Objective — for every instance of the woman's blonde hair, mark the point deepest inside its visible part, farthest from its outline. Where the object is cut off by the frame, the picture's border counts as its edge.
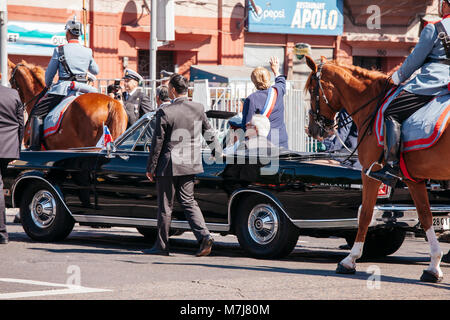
(261, 78)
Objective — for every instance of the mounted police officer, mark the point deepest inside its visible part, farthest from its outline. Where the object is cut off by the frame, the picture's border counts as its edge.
(432, 55)
(72, 61)
(135, 101)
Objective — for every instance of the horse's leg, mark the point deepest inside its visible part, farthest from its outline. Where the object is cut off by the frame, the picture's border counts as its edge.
(420, 196)
(369, 199)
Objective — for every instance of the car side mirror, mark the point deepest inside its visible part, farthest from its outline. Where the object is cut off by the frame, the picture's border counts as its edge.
(110, 149)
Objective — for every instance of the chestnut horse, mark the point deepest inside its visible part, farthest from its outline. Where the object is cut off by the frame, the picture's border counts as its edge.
(333, 87)
(82, 124)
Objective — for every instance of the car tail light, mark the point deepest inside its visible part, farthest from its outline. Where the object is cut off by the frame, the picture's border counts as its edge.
(384, 191)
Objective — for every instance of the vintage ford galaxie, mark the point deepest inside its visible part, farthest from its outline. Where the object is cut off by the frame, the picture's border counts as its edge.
(307, 194)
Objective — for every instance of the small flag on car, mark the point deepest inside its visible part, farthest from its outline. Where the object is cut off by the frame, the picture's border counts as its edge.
(105, 138)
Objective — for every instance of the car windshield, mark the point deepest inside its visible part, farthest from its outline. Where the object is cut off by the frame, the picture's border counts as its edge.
(136, 139)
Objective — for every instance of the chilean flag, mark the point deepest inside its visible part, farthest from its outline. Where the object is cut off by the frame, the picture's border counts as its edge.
(105, 138)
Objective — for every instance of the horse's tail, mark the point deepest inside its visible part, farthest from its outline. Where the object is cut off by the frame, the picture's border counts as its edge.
(117, 118)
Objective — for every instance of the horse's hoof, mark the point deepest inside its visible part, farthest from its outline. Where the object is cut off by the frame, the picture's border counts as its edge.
(428, 276)
(344, 270)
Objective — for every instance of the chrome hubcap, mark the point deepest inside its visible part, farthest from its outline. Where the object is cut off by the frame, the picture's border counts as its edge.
(263, 224)
(43, 209)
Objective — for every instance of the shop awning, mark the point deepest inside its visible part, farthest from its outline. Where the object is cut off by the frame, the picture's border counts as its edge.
(220, 74)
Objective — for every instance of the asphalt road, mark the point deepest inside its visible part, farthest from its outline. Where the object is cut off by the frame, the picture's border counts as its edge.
(108, 264)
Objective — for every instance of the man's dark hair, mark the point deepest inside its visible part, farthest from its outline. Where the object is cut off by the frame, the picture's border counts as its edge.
(162, 92)
(180, 83)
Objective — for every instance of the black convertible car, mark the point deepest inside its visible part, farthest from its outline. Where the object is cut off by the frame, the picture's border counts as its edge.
(307, 194)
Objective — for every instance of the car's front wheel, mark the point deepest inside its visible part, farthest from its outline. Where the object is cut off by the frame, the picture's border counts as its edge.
(43, 216)
(263, 230)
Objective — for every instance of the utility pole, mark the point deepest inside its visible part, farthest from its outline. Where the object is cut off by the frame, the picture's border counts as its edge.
(153, 46)
(3, 42)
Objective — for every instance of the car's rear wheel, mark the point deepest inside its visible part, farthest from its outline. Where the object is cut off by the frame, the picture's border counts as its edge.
(263, 230)
(42, 214)
(381, 242)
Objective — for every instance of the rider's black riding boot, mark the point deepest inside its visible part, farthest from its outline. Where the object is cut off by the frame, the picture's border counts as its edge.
(389, 174)
(37, 124)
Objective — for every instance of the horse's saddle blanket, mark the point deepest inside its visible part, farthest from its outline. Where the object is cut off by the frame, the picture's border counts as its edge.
(423, 128)
(53, 120)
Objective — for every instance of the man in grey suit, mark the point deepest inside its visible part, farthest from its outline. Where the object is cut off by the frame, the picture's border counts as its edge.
(11, 133)
(175, 158)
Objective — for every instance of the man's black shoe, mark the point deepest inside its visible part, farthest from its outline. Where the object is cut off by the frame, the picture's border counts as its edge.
(446, 257)
(205, 247)
(156, 251)
(3, 241)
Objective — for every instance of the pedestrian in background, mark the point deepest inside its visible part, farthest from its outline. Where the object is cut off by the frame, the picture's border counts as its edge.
(162, 99)
(162, 96)
(135, 101)
(175, 162)
(11, 134)
(346, 137)
(165, 77)
(268, 101)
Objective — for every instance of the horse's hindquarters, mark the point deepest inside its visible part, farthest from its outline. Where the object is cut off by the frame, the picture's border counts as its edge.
(432, 163)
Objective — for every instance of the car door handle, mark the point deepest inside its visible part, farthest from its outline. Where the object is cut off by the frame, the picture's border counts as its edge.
(124, 157)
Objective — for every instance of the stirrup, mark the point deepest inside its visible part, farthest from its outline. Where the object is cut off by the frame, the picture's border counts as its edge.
(368, 171)
(386, 177)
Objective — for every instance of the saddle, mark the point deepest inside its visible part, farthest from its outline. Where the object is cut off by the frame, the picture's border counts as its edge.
(422, 129)
(53, 120)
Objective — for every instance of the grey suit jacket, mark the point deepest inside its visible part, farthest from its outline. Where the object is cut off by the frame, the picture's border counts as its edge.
(176, 148)
(11, 123)
(136, 106)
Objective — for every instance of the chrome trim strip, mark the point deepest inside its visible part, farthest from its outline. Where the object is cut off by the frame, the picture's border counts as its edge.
(326, 223)
(409, 208)
(40, 178)
(137, 222)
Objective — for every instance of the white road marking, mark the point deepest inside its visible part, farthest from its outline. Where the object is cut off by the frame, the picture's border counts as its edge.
(67, 289)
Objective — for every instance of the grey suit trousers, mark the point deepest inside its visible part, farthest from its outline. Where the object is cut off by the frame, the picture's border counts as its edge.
(181, 187)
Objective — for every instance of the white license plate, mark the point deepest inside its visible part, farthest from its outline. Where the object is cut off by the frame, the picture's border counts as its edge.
(441, 223)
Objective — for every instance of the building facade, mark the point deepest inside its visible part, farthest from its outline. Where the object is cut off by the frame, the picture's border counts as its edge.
(369, 33)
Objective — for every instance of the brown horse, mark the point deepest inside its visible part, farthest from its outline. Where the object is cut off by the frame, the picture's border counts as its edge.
(333, 87)
(82, 124)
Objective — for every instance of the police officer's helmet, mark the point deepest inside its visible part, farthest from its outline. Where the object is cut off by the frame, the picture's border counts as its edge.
(75, 27)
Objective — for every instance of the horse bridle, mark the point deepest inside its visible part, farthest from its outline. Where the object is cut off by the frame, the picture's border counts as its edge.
(323, 122)
(13, 82)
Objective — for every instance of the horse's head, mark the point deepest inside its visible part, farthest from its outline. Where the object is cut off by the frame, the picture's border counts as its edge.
(325, 100)
(28, 80)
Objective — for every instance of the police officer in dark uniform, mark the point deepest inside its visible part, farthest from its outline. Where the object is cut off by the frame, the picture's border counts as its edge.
(135, 101)
(72, 61)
